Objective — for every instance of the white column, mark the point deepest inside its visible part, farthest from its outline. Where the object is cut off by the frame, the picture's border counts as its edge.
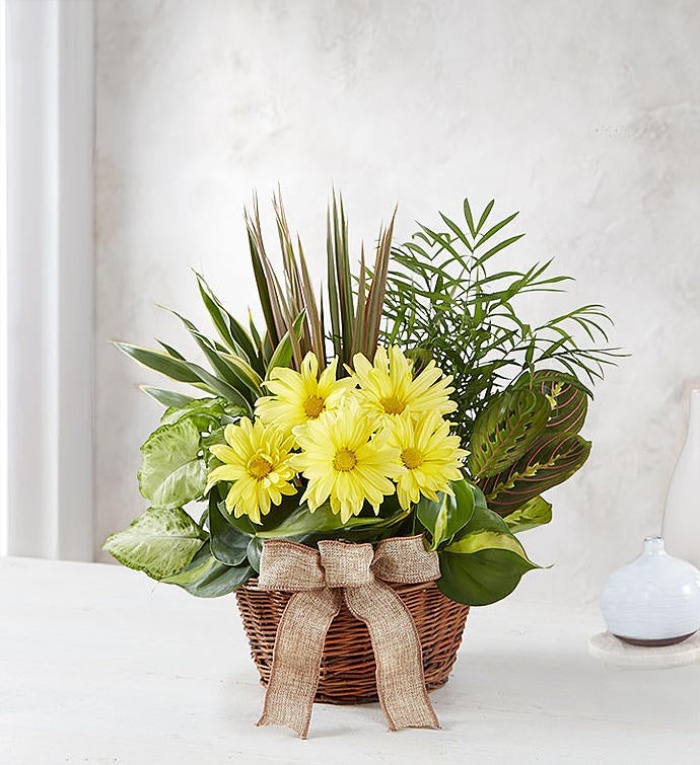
(49, 278)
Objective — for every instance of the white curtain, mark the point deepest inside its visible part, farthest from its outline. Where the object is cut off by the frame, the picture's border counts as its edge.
(48, 306)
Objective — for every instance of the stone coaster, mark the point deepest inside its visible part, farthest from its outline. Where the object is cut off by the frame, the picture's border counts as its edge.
(610, 649)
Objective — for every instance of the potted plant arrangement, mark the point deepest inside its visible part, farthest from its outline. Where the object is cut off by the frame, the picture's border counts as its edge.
(366, 460)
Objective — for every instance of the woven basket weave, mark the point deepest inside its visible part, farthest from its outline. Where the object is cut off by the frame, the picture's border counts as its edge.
(347, 667)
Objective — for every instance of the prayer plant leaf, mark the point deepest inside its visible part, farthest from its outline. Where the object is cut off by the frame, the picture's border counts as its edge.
(505, 429)
(206, 577)
(444, 518)
(485, 563)
(535, 512)
(550, 460)
(568, 399)
(160, 542)
(172, 473)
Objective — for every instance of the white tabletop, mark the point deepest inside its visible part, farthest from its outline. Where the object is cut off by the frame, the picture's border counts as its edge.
(100, 665)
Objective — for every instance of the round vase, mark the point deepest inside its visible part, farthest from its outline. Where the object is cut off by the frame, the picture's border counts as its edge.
(653, 600)
(681, 528)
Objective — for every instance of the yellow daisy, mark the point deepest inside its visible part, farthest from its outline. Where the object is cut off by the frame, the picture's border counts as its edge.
(388, 387)
(298, 397)
(432, 457)
(257, 461)
(343, 459)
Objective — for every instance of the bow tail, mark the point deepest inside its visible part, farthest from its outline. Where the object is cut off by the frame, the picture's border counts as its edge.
(296, 659)
(397, 653)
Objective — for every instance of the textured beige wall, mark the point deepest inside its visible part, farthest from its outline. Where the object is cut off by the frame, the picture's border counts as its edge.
(583, 115)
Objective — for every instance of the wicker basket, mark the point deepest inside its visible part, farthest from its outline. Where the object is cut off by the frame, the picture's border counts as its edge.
(347, 666)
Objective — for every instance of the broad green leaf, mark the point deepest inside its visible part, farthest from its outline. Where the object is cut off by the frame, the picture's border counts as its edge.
(481, 578)
(485, 562)
(323, 520)
(550, 460)
(167, 398)
(535, 512)
(254, 553)
(444, 518)
(171, 473)
(160, 542)
(228, 544)
(207, 577)
(504, 430)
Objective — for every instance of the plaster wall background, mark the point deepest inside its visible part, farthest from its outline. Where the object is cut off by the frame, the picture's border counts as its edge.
(585, 116)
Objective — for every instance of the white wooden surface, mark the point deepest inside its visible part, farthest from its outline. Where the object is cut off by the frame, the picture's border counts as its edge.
(100, 665)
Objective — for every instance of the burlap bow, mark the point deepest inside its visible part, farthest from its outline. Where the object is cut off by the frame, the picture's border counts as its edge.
(319, 581)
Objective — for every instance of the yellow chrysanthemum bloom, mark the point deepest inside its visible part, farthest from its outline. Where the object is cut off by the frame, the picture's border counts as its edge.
(298, 397)
(343, 459)
(388, 388)
(257, 460)
(432, 457)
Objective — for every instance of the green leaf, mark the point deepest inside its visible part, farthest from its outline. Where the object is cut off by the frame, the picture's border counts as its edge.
(535, 512)
(483, 577)
(282, 356)
(228, 544)
(171, 473)
(552, 459)
(159, 543)
(567, 396)
(167, 398)
(505, 429)
(230, 330)
(444, 518)
(485, 563)
(174, 368)
(207, 577)
(254, 552)
(302, 521)
(183, 371)
(204, 412)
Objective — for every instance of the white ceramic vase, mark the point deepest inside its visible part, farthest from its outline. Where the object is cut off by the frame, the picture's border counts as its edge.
(681, 527)
(653, 600)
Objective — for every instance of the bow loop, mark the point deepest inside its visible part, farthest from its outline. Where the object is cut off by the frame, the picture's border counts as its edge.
(290, 567)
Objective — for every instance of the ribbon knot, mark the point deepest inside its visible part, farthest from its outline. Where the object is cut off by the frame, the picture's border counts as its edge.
(320, 580)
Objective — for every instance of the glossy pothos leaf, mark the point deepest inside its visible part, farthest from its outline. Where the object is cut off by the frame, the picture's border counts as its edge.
(485, 563)
(444, 518)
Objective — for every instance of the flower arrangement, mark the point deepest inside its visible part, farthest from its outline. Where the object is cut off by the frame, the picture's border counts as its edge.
(426, 406)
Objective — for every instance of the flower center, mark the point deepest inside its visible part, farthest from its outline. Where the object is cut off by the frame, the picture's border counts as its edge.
(313, 406)
(344, 460)
(412, 457)
(393, 404)
(259, 467)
